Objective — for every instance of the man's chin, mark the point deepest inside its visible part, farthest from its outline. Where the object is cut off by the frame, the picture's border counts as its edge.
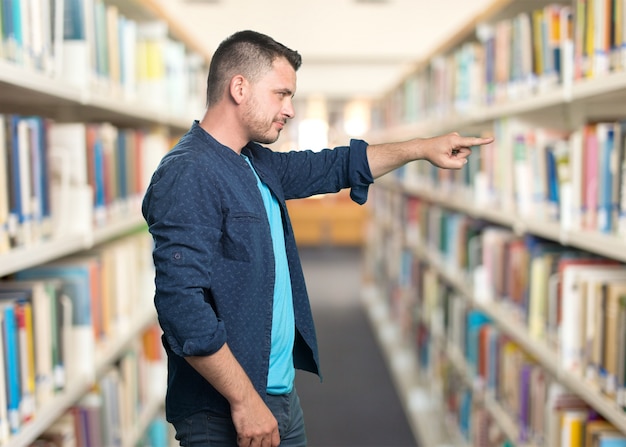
(267, 139)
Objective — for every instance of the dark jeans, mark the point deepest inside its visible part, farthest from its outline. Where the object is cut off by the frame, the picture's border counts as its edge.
(206, 430)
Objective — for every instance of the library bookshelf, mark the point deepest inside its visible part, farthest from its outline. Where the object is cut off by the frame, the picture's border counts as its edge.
(92, 94)
(496, 290)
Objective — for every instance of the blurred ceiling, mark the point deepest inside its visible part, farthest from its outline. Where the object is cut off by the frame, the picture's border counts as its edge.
(350, 48)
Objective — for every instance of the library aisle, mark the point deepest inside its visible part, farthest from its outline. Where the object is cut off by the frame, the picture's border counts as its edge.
(356, 405)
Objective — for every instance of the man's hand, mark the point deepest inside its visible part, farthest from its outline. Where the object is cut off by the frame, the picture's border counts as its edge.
(255, 424)
(450, 151)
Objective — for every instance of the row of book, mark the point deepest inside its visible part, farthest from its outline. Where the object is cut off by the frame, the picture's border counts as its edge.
(111, 413)
(525, 395)
(483, 372)
(95, 46)
(29, 31)
(66, 432)
(576, 179)
(569, 301)
(513, 58)
(58, 316)
(56, 177)
(572, 300)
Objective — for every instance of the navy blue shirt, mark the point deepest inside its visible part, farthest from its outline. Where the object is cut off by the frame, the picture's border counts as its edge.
(214, 259)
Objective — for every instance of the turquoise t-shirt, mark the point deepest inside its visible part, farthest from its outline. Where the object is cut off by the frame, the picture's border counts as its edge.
(281, 372)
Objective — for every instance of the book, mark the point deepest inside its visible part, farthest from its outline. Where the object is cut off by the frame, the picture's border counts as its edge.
(552, 194)
(494, 242)
(128, 59)
(12, 364)
(589, 36)
(541, 269)
(74, 53)
(619, 135)
(595, 428)
(579, 39)
(568, 259)
(99, 45)
(611, 440)
(91, 408)
(61, 327)
(475, 320)
(508, 390)
(590, 177)
(621, 353)
(606, 201)
(112, 32)
(109, 386)
(614, 337)
(522, 172)
(23, 314)
(129, 399)
(151, 77)
(71, 198)
(601, 315)
(76, 279)
(576, 329)
(157, 433)
(39, 26)
(552, 44)
(622, 46)
(20, 181)
(572, 217)
(27, 179)
(95, 174)
(605, 344)
(42, 296)
(540, 381)
(620, 177)
(572, 428)
(4, 188)
(563, 411)
(13, 31)
(617, 34)
(525, 404)
(566, 43)
(70, 138)
(4, 416)
(601, 43)
(40, 170)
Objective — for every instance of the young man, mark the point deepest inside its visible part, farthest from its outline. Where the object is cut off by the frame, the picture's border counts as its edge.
(230, 293)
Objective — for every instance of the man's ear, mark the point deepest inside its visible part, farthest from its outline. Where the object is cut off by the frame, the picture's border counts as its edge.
(237, 88)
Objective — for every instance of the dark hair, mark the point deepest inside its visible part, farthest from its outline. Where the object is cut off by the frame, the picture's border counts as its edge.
(248, 53)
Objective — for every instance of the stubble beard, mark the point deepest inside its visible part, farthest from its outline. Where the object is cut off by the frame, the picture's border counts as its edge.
(260, 127)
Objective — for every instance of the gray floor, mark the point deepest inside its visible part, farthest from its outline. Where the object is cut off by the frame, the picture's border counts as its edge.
(356, 405)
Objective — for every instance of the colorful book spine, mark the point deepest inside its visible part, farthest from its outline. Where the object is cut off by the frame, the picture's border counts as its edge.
(11, 351)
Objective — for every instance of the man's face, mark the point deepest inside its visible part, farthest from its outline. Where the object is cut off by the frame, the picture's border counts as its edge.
(270, 105)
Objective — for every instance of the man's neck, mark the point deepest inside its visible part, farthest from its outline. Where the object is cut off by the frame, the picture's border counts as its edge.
(225, 128)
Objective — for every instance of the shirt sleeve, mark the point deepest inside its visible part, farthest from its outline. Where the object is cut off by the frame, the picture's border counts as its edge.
(182, 213)
(360, 175)
(306, 173)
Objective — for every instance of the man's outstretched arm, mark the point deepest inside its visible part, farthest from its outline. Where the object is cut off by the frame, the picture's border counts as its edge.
(446, 151)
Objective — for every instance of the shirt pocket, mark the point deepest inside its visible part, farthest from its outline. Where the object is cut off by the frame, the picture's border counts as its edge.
(243, 235)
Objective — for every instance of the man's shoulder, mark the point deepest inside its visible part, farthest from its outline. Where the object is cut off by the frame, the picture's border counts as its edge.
(192, 147)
